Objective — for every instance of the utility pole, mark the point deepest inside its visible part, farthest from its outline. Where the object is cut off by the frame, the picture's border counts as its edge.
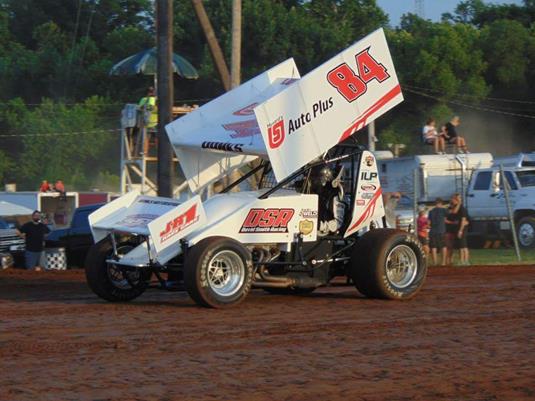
(165, 96)
(371, 136)
(215, 50)
(235, 59)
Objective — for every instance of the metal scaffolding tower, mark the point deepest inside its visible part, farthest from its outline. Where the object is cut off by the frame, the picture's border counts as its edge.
(138, 153)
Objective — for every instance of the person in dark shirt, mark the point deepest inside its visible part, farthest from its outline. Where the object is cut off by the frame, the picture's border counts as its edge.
(453, 137)
(34, 234)
(456, 227)
(437, 233)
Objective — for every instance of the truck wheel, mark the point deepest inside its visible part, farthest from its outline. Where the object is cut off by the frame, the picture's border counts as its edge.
(218, 272)
(388, 264)
(526, 232)
(106, 280)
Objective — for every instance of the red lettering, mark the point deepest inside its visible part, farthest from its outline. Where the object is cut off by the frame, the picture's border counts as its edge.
(267, 220)
(350, 85)
(346, 82)
(253, 218)
(369, 68)
(284, 217)
(179, 222)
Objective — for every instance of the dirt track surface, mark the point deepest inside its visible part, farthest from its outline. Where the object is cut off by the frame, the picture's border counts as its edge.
(469, 335)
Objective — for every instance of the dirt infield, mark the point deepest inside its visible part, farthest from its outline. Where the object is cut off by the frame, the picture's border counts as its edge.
(469, 335)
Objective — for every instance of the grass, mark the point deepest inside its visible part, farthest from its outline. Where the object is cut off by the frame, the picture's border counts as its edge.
(500, 256)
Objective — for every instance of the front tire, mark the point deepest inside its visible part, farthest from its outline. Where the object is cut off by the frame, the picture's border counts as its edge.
(218, 272)
(106, 280)
(388, 264)
(526, 232)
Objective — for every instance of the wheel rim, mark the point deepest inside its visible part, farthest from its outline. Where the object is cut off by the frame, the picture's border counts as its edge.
(226, 273)
(526, 234)
(116, 275)
(401, 266)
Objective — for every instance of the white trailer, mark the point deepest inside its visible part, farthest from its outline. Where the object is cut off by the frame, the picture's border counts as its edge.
(436, 176)
(58, 209)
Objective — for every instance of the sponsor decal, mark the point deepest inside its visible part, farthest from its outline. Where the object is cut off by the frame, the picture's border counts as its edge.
(308, 213)
(367, 213)
(276, 133)
(352, 85)
(179, 223)
(366, 195)
(267, 221)
(224, 146)
(368, 187)
(306, 226)
(246, 111)
(136, 220)
(318, 108)
(368, 176)
(360, 202)
(243, 129)
(369, 160)
(158, 202)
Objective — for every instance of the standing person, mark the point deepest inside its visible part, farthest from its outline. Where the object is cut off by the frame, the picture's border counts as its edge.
(457, 221)
(149, 110)
(453, 137)
(34, 234)
(422, 228)
(437, 233)
(432, 137)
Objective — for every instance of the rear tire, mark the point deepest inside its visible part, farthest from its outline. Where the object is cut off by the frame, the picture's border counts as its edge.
(388, 264)
(526, 232)
(218, 272)
(106, 280)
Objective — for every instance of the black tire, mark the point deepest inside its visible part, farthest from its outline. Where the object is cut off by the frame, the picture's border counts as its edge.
(526, 232)
(370, 260)
(99, 275)
(204, 286)
(290, 291)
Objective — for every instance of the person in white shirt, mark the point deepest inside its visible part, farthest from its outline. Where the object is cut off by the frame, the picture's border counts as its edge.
(432, 137)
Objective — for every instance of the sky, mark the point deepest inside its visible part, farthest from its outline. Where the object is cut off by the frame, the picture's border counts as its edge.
(433, 9)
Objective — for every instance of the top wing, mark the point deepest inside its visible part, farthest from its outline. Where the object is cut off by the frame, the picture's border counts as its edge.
(224, 134)
(329, 104)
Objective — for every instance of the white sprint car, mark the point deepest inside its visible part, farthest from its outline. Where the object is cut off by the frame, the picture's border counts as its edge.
(316, 211)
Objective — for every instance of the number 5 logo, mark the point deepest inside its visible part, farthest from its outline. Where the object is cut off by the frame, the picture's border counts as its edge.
(350, 85)
(276, 134)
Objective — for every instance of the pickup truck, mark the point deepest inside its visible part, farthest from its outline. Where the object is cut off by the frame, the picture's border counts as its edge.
(76, 239)
(485, 197)
(11, 245)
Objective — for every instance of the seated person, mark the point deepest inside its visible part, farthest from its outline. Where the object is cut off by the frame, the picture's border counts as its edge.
(432, 137)
(453, 137)
(330, 193)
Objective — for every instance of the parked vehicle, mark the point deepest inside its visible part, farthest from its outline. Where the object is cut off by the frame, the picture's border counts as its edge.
(76, 239)
(11, 245)
(477, 178)
(305, 223)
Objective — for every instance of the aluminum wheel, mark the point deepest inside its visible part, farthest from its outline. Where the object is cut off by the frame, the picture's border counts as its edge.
(226, 273)
(401, 266)
(526, 234)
